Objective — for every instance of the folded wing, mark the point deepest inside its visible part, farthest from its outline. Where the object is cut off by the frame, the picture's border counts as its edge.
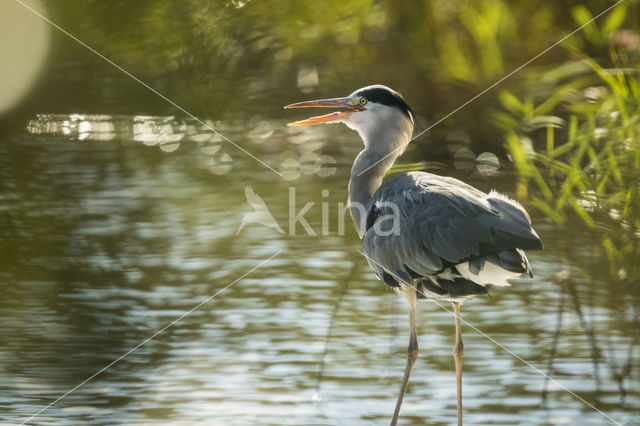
(422, 224)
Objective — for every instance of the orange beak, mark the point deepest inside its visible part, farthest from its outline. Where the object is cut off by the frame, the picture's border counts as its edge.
(325, 103)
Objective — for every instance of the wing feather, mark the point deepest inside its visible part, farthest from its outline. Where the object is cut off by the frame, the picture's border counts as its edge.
(443, 222)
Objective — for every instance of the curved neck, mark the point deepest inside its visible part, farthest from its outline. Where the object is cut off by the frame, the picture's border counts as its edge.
(385, 134)
(367, 174)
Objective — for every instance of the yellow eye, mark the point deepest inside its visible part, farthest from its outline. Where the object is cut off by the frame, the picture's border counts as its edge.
(363, 101)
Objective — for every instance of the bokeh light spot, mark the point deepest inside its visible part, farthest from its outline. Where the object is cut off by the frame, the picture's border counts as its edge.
(487, 163)
(24, 45)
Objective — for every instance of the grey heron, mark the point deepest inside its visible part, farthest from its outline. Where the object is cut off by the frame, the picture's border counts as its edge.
(429, 236)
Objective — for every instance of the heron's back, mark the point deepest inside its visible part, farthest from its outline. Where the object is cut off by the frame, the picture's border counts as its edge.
(448, 239)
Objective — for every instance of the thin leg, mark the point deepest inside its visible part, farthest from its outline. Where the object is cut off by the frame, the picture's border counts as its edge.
(412, 352)
(458, 354)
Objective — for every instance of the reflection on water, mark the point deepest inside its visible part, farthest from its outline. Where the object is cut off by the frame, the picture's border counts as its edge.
(103, 244)
(165, 132)
(168, 133)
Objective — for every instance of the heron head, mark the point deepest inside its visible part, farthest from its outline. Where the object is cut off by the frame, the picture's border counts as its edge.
(371, 111)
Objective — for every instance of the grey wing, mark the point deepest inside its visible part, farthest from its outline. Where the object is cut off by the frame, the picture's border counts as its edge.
(420, 227)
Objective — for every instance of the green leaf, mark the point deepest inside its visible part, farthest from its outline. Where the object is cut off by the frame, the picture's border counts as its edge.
(584, 215)
(614, 19)
(582, 15)
(550, 141)
(510, 102)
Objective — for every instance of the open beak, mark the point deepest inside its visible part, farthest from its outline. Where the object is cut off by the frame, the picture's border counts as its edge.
(325, 103)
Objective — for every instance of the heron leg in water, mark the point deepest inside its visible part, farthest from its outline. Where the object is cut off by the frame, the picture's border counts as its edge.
(458, 354)
(412, 352)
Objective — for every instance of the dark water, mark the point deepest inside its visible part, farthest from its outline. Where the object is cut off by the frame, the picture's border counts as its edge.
(120, 244)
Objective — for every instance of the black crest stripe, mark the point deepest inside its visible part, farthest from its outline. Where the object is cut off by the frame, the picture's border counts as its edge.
(385, 96)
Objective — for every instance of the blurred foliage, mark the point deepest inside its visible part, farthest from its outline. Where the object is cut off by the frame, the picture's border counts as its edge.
(573, 134)
(240, 57)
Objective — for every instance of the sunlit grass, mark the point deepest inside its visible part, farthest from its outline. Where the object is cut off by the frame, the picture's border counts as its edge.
(577, 148)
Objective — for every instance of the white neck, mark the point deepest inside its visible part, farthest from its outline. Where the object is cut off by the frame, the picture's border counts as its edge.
(385, 137)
